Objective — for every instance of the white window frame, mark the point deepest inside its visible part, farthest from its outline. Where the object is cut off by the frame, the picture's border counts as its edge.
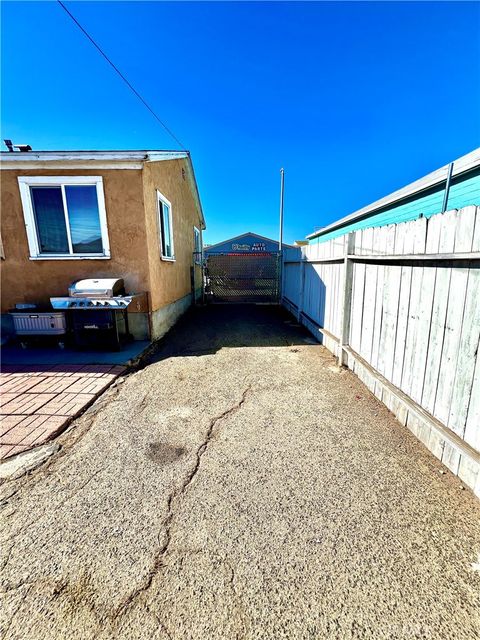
(25, 182)
(164, 200)
(198, 254)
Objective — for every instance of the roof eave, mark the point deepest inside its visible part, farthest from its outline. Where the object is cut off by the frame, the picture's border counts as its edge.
(194, 186)
(19, 159)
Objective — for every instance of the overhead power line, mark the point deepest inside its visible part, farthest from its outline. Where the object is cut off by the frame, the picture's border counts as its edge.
(129, 85)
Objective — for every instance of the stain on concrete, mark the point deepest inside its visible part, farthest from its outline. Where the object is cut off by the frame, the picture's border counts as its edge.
(164, 453)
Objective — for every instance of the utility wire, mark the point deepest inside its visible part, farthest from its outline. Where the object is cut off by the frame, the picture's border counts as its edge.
(121, 75)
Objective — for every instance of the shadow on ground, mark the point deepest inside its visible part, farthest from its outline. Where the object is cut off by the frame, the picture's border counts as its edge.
(206, 330)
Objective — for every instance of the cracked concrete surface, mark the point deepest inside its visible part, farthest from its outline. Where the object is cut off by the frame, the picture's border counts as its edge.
(172, 499)
(239, 486)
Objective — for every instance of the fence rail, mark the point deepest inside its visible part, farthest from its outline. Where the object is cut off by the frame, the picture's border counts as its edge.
(403, 301)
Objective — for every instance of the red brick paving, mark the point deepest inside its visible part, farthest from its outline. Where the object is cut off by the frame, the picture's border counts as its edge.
(5, 398)
(26, 403)
(53, 384)
(19, 384)
(89, 385)
(38, 402)
(8, 422)
(66, 404)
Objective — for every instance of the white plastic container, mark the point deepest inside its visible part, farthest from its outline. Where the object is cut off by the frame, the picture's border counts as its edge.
(43, 323)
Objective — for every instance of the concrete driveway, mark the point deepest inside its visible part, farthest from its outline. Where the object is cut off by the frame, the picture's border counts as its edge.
(239, 486)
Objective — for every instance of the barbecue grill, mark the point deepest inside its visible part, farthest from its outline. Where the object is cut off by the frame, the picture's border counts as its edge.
(98, 312)
(94, 293)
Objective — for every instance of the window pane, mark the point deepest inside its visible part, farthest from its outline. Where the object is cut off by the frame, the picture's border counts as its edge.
(50, 219)
(162, 228)
(82, 206)
(166, 231)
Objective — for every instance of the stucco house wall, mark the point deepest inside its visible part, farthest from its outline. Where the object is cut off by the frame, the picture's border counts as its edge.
(26, 280)
(171, 281)
(134, 238)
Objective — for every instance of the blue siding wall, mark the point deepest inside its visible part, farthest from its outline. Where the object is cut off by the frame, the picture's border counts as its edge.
(463, 192)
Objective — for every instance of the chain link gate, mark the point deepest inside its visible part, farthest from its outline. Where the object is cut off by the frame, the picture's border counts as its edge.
(242, 278)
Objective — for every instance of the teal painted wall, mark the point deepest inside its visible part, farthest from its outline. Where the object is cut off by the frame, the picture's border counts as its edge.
(464, 191)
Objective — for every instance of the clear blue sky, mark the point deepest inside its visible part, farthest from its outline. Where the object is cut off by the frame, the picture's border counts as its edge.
(353, 99)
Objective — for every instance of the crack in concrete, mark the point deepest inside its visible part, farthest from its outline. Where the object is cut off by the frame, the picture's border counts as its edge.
(17, 586)
(173, 497)
(72, 434)
(160, 624)
(61, 504)
(10, 622)
(83, 485)
(237, 598)
(7, 559)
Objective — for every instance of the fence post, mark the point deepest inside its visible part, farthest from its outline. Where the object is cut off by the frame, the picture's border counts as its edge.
(301, 289)
(346, 298)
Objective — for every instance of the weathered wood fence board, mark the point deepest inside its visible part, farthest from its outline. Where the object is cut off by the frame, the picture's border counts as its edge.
(414, 322)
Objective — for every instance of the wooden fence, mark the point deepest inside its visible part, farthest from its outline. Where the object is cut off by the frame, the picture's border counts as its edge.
(400, 306)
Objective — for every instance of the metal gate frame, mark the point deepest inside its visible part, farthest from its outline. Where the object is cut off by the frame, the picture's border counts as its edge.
(243, 278)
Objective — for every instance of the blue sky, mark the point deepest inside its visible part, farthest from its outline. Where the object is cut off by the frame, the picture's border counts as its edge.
(353, 99)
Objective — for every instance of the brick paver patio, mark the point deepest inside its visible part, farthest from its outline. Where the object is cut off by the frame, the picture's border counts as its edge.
(37, 402)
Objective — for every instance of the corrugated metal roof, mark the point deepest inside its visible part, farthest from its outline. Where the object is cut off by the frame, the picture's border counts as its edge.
(461, 165)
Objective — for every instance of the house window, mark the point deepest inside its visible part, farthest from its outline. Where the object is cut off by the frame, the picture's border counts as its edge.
(197, 239)
(165, 227)
(65, 217)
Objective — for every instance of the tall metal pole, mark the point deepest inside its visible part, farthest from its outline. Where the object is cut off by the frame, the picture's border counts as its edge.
(280, 238)
(282, 188)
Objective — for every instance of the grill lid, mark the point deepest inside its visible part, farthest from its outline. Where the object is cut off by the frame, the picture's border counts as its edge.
(97, 288)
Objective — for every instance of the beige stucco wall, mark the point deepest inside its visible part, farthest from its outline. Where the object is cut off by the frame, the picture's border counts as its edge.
(170, 281)
(132, 221)
(25, 280)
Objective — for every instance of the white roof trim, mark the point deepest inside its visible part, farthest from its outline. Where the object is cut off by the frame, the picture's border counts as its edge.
(463, 164)
(17, 157)
(95, 165)
(194, 187)
(85, 159)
